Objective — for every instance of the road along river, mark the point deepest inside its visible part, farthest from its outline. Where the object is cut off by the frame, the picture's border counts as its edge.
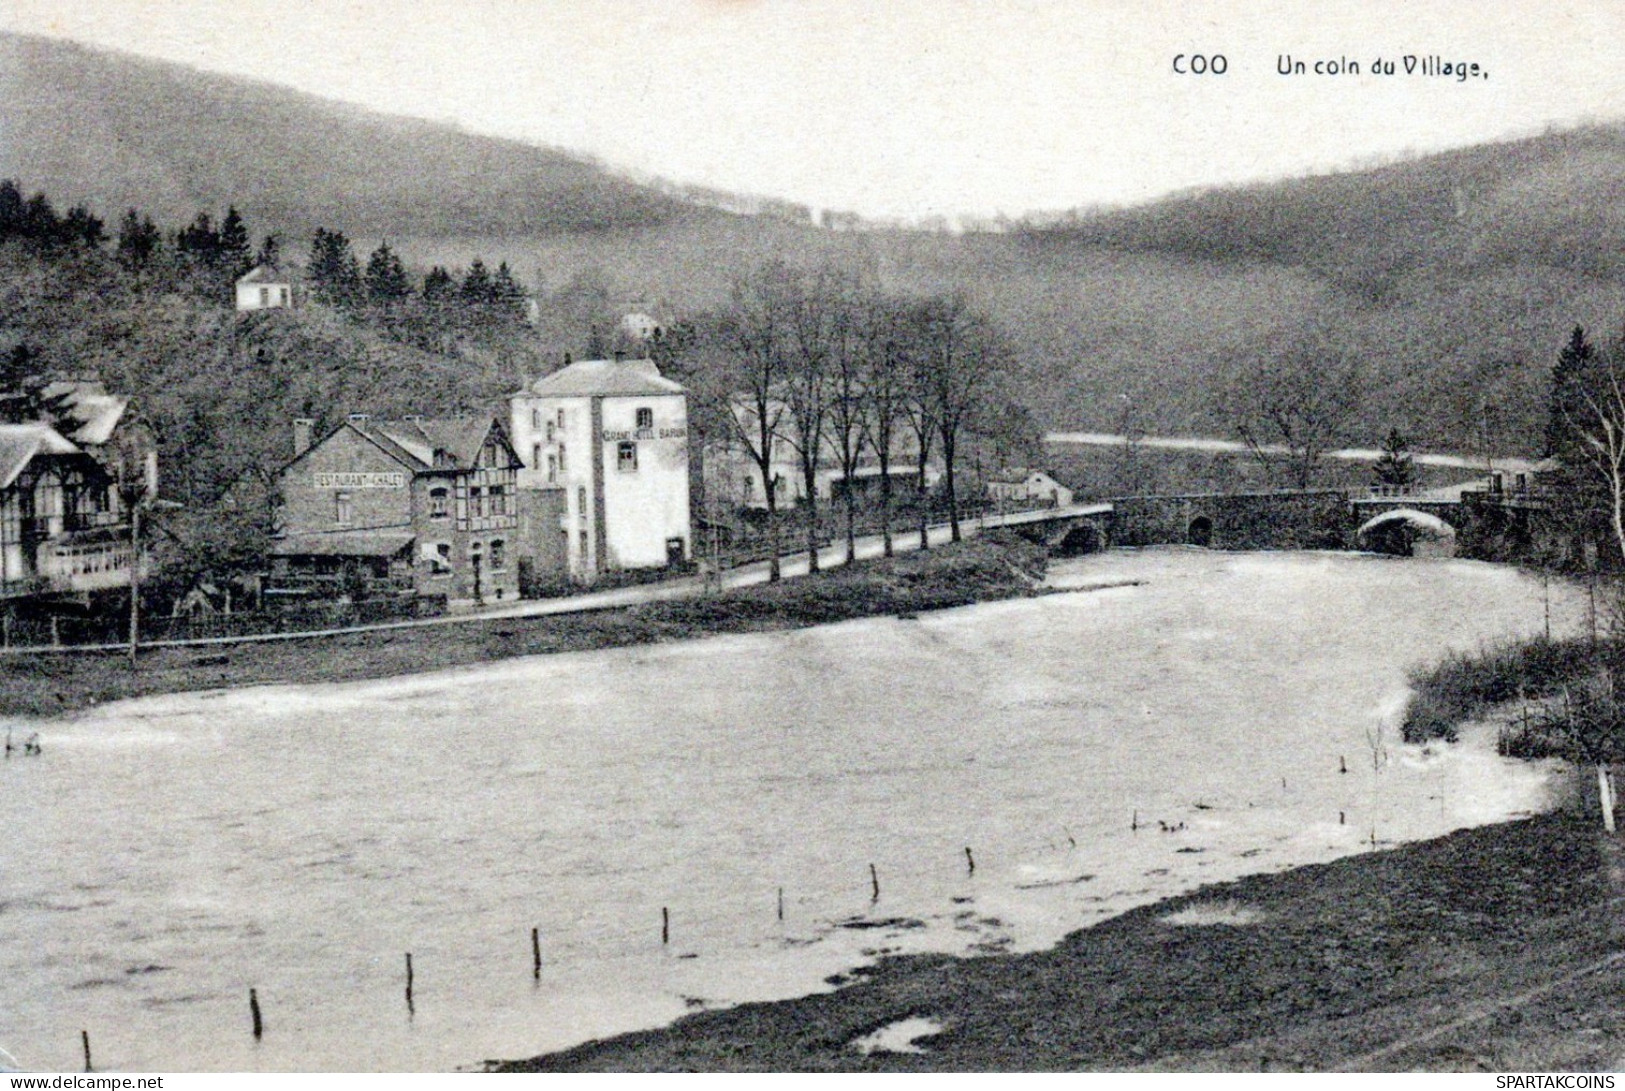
(1179, 717)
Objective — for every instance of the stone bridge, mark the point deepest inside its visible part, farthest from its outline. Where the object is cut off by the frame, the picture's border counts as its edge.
(1066, 531)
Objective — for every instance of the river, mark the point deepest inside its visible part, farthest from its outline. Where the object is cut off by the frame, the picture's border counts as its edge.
(1174, 717)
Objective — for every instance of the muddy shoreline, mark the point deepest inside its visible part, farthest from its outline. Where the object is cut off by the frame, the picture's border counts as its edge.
(1490, 949)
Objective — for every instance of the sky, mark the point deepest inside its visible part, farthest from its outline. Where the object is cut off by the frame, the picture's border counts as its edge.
(911, 108)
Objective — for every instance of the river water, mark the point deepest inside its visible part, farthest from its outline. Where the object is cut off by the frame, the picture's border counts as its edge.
(1177, 717)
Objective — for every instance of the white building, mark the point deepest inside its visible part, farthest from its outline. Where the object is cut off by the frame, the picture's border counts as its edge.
(613, 435)
(1021, 486)
(263, 288)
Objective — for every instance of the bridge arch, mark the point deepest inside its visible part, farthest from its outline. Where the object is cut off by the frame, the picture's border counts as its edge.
(1081, 538)
(1200, 531)
(1406, 532)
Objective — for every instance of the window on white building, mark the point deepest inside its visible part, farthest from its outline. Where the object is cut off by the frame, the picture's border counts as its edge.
(561, 418)
(626, 457)
(265, 297)
(499, 500)
(562, 465)
(536, 456)
(438, 554)
(646, 418)
(536, 420)
(476, 503)
(437, 503)
(499, 555)
(551, 432)
(552, 469)
(343, 512)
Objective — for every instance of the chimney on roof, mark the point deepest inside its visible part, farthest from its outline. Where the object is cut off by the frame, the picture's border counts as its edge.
(302, 427)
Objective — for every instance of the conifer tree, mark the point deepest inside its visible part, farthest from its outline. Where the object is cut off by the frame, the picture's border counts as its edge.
(235, 251)
(138, 240)
(386, 277)
(437, 285)
(1395, 469)
(477, 287)
(335, 275)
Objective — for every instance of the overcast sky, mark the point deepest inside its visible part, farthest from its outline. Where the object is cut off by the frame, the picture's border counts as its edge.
(910, 107)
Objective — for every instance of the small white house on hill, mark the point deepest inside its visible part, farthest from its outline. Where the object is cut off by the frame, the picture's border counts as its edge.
(264, 288)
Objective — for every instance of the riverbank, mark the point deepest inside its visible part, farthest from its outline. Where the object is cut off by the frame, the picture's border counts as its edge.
(984, 569)
(1491, 949)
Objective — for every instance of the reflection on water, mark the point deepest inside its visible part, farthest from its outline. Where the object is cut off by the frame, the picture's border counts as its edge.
(1096, 750)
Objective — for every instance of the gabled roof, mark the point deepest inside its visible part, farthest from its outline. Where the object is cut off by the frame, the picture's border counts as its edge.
(265, 274)
(414, 441)
(459, 437)
(83, 410)
(607, 378)
(20, 444)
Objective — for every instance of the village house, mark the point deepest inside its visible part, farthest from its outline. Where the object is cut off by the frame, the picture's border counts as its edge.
(612, 437)
(1026, 487)
(264, 288)
(72, 465)
(414, 507)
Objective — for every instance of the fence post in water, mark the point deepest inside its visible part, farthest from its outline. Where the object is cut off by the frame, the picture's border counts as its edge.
(254, 1013)
(874, 884)
(781, 903)
(536, 953)
(409, 1009)
(84, 1036)
(665, 926)
(970, 862)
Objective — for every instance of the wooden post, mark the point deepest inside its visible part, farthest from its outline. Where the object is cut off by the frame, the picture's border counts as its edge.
(536, 953)
(1340, 818)
(665, 926)
(1134, 823)
(970, 862)
(254, 1013)
(409, 982)
(84, 1037)
(1342, 764)
(874, 884)
(781, 903)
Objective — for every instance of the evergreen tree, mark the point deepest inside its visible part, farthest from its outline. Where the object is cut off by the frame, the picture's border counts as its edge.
(335, 275)
(478, 287)
(508, 292)
(270, 253)
(1395, 469)
(235, 251)
(39, 220)
(199, 243)
(138, 240)
(1572, 362)
(386, 277)
(437, 285)
(11, 209)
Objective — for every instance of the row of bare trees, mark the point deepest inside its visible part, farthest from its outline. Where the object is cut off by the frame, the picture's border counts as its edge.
(827, 365)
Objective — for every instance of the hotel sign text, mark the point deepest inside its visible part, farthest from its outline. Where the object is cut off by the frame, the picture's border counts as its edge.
(611, 435)
(341, 480)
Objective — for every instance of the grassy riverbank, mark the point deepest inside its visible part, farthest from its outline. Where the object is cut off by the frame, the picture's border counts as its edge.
(984, 569)
(1496, 948)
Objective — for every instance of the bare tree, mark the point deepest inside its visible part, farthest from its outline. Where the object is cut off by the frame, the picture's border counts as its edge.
(1290, 408)
(814, 324)
(849, 403)
(963, 357)
(886, 364)
(756, 345)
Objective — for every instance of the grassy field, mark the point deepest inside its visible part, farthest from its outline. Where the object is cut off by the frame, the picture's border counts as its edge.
(981, 570)
(1493, 949)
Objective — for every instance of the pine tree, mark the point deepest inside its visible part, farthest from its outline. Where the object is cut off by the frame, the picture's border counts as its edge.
(335, 275)
(199, 243)
(270, 253)
(386, 277)
(1395, 469)
(235, 251)
(437, 285)
(508, 292)
(1572, 362)
(478, 288)
(11, 209)
(138, 240)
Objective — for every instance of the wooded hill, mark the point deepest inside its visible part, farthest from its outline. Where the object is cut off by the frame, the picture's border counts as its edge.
(1449, 280)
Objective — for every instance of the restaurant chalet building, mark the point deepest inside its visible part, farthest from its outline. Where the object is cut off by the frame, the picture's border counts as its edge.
(411, 507)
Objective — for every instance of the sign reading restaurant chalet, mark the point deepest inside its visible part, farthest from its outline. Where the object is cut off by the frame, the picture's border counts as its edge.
(358, 480)
(611, 435)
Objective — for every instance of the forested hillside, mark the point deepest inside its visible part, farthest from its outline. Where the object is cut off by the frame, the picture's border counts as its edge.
(1445, 284)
